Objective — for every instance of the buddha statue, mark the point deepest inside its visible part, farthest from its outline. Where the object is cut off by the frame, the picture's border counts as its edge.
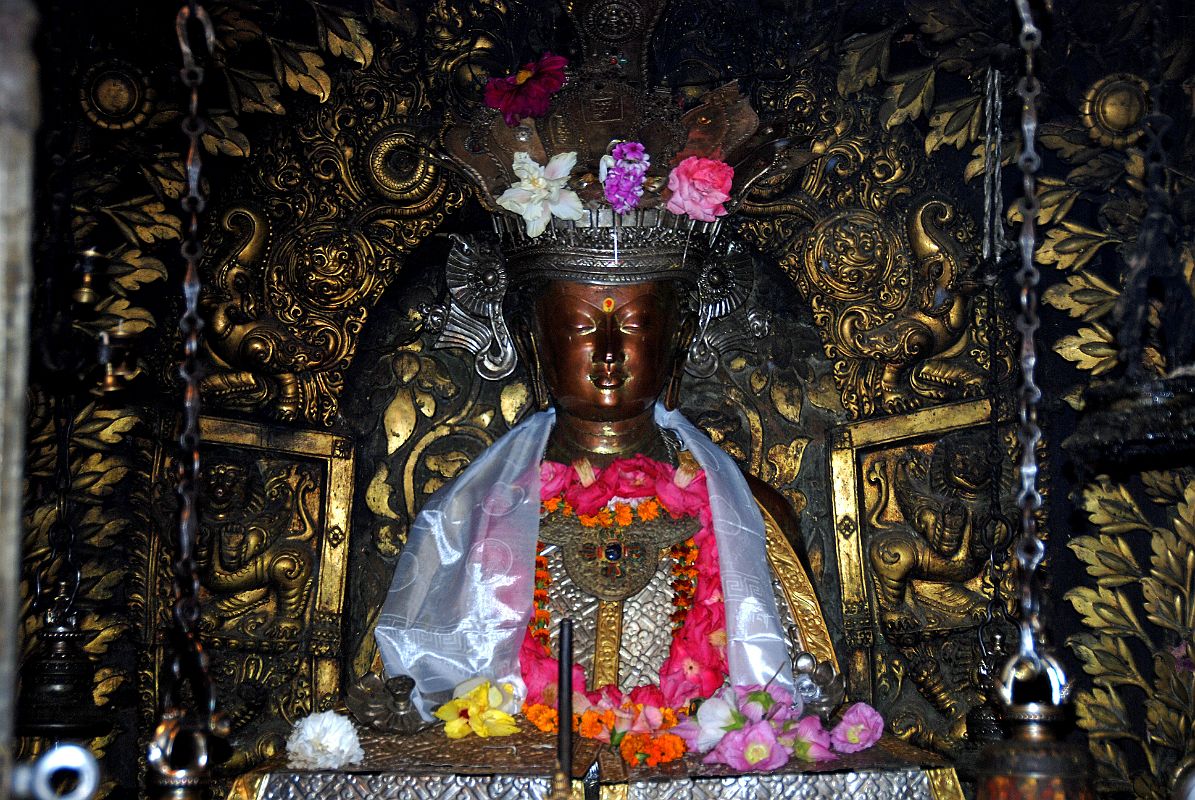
(606, 505)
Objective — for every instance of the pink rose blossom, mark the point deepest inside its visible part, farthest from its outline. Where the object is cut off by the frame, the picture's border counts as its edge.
(553, 477)
(632, 477)
(648, 695)
(608, 696)
(687, 500)
(699, 187)
(693, 668)
(589, 494)
(860, 728)
(527, 93)
(752, 748)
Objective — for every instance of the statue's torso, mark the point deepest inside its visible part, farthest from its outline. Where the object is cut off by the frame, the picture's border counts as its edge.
(626, 642)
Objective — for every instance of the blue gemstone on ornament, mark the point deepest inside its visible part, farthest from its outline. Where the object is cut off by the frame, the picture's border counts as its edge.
(613, 551)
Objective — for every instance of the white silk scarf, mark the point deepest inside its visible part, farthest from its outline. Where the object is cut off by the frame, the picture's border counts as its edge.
(461, 596)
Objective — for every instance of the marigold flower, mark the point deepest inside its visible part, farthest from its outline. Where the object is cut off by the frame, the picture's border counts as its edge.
(543, 717)
(622, 515)
(552, 503)
(591, 726)
(648, 510)
(633, 747)
(664, 747)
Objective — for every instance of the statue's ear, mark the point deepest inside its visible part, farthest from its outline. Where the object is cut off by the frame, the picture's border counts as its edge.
(527, 343)
(684, 340)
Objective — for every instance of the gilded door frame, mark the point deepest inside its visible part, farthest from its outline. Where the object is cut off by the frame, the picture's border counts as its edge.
(847, 444)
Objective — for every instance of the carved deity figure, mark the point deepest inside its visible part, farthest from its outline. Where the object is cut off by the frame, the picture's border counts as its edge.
(943, 499)
(255, 553)
(606, 505)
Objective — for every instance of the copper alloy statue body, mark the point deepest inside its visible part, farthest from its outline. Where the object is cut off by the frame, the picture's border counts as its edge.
(607, 287)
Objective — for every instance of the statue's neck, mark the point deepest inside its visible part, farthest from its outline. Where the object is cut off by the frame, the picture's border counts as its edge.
(603, 442)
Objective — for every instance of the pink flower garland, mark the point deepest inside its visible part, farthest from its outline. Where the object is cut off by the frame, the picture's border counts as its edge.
(696, 663)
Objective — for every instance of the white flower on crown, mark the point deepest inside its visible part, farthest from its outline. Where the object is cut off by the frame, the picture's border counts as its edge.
(325, 740)
(540, 193)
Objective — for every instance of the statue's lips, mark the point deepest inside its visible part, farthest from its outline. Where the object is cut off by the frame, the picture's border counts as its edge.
(607, 380)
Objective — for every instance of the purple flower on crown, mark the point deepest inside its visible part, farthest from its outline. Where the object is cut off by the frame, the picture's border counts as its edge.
(623, 174)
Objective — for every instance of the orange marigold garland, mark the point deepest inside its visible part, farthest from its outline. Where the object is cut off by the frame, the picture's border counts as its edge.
(540, 618)
(649, 749)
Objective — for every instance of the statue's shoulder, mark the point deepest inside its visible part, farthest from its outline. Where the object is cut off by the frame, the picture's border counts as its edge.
(776, 505)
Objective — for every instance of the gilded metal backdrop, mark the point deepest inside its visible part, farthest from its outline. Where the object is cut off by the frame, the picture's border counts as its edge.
(866, 404)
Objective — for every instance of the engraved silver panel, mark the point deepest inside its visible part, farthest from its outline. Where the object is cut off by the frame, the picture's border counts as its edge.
(646, 622)
(428, 765)
(893, 785)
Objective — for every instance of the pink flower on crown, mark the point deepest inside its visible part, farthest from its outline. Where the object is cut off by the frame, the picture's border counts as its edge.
(527, 93)
(699, 187)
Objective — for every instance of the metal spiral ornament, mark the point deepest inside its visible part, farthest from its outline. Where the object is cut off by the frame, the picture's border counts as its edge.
(180, 751)
(1032, 686)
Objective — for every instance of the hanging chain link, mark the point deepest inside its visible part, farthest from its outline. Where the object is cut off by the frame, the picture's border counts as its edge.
(995, 247)
(1030, 548)
(185, 661)
(994, 242)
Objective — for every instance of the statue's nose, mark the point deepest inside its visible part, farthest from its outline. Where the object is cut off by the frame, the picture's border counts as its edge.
(610, 346)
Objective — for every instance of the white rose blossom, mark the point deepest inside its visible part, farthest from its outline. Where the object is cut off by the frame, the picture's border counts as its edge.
(325, 740)
(540, 193)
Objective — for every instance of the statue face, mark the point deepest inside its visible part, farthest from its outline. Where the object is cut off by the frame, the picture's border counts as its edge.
(608, 352)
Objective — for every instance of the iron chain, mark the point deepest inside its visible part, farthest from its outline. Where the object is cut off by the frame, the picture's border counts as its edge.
(1030, 548)
(186, 662)
(995, 249)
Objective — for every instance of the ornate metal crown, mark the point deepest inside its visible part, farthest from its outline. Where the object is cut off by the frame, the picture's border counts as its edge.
(601, 105)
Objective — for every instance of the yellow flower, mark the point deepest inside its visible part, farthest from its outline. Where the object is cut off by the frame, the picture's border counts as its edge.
(476, 711)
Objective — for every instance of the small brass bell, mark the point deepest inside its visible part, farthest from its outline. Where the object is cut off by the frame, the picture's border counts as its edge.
(56, 700)
(116, 357)
(1033, 763)
(90, 266)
